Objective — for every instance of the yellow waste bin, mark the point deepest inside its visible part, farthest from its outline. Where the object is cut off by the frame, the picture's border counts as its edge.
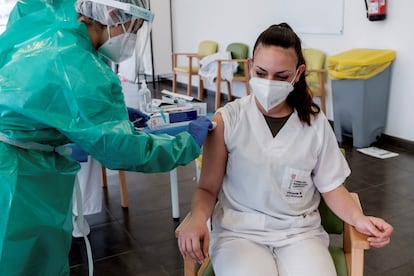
(360, 91)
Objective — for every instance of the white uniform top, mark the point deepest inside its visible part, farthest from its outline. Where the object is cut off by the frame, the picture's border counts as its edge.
(270, 191)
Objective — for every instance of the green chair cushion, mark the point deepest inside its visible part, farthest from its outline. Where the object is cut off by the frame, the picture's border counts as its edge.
(238, 51)
(209, 271)
(330, 222)
(338, 257)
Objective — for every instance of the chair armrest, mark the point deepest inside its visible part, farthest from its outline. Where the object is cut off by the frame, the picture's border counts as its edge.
(189, 56)
(220, 61)
(182, 224)
(233, 60)
(191, 267)
(354, 245)
(184, 54)
(195, 55)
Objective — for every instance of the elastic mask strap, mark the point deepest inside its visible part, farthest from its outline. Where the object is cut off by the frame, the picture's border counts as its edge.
(123, 28)
(108, 29)
(294, 77)
(79, 222)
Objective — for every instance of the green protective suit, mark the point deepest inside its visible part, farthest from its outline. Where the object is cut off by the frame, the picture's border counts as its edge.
(54, 89)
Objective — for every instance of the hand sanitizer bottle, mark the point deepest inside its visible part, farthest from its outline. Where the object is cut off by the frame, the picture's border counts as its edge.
(144, 98)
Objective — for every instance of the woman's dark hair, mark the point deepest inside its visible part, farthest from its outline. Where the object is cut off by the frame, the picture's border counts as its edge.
(282, 35)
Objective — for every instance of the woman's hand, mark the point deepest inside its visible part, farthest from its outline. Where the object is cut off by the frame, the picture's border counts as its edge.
(377, 230)
(194, 239)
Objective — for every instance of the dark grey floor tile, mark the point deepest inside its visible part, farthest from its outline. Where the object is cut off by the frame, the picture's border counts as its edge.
(377, 202)
(402, 270)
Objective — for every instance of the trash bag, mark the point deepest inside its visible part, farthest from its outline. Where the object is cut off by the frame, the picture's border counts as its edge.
(359, 63)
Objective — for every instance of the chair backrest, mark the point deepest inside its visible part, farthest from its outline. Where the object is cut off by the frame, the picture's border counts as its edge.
(238, 51)
(330, 222)
(207, 47)
(315, 59)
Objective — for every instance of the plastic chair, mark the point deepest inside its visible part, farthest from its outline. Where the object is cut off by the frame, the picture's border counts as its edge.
(205, 48)
(316, 73)
(239, 53)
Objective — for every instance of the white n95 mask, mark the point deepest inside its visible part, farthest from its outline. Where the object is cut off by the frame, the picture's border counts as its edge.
(270, 93)
(119, 48)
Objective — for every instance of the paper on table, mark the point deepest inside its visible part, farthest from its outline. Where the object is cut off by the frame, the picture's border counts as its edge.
(377, 152)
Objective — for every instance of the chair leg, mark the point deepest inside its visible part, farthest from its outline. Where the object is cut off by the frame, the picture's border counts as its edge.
(104, 179)
(247, 87)
(322, 90)
(230, 97)
(174, 87)
(124, 191)
(190, 85)
(200, 89)
(217, 101)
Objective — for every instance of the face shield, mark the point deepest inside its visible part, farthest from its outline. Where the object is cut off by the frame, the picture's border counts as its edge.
(134, 18)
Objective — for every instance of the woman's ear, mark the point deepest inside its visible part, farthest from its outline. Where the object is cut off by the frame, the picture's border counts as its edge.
(84, 19)
(301, 70)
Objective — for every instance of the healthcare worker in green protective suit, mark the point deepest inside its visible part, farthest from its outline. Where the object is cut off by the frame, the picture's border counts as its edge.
(55, 89)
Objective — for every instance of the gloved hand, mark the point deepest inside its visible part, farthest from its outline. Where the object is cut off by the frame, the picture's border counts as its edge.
(199, 128)
(77, 153)
(138, 118)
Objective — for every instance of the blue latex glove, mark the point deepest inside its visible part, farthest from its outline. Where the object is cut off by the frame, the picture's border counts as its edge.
(77, 153)
(199, 128)
(138, 118)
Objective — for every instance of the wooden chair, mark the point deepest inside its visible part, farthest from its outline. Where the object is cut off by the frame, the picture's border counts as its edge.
(348, 258)
(239, 53)
(122, 184)
(205, 48)
(316, 73)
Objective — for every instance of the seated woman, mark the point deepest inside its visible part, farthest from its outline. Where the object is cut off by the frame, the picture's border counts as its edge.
(271, 157)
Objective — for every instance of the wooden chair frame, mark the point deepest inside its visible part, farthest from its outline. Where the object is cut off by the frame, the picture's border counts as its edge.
(190, 72)
(245, 78)
(206, 47)
(321, 73)
(354, 244)
(122, 184)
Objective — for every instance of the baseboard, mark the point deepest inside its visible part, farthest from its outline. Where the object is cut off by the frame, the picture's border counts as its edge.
(385, 139)
(397, 142)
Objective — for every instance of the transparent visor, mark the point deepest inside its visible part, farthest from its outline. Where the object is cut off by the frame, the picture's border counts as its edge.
(136, 25)
(126, 8)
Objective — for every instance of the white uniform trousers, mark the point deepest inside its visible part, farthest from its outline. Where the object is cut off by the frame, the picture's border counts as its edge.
(237, 256)
(90, 182)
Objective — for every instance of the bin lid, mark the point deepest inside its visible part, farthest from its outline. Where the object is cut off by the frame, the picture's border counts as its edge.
(359, 63)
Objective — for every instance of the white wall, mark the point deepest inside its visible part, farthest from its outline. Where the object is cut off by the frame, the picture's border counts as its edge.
(241, 20)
